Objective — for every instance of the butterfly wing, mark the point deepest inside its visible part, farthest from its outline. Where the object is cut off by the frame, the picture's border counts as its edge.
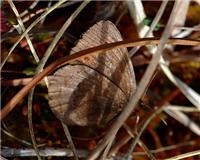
(94, 89)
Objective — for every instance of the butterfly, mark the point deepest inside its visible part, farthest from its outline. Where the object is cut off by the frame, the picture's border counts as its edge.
(94, 89)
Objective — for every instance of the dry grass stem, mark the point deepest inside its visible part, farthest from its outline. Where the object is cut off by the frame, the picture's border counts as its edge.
(22, 28)
(65, 60)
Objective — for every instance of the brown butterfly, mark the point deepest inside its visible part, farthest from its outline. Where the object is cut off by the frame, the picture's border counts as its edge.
(94, 89)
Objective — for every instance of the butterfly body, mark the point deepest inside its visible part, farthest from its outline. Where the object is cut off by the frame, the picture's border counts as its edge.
(94, 89)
